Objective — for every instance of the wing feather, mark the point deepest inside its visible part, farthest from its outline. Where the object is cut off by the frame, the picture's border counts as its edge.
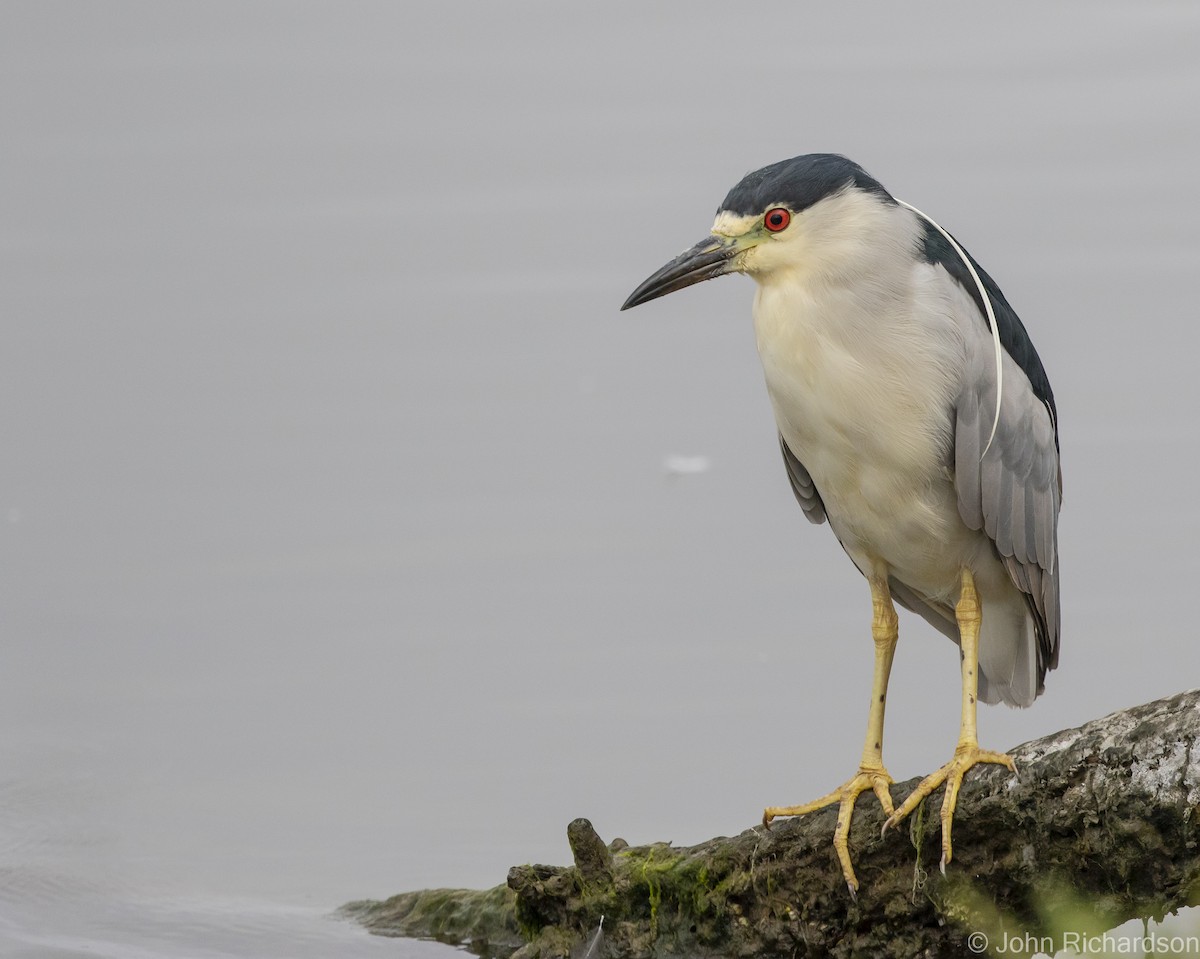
(802, 485)
(1013, 492)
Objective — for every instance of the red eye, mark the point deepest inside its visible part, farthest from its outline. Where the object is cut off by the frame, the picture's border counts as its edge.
(777, 219)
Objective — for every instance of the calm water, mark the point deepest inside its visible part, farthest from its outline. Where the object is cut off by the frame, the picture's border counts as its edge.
(338, 552)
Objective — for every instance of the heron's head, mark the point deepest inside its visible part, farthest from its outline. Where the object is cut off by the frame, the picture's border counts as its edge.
(803, 215)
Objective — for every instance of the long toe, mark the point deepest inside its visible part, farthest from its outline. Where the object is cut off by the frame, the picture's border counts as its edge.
(846, 795)
(966, 756)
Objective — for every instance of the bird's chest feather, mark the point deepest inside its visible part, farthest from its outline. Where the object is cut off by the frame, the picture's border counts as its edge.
(863, 397)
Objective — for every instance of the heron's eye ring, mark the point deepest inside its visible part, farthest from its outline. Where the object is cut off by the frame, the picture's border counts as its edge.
(777, 219)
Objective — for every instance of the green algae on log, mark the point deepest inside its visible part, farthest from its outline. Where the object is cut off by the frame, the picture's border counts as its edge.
(1104, 815)
(484, 919)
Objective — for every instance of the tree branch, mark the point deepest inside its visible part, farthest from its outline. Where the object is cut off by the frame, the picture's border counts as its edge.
(1102, 818)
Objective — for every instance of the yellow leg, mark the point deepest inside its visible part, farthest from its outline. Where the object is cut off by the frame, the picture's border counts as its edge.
(967, 753)
(871, 773)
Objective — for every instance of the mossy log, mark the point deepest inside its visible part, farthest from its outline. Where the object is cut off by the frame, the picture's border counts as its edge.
(1101, 820)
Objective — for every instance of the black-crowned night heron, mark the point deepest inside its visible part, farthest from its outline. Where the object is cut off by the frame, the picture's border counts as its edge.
(915, 416)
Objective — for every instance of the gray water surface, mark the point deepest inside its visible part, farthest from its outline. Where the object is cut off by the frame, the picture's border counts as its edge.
(340, 549)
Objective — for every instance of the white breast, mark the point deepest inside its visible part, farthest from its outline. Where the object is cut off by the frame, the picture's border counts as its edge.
(862, 378)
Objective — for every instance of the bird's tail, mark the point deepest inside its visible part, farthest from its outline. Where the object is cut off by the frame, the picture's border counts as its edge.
(1008, 657)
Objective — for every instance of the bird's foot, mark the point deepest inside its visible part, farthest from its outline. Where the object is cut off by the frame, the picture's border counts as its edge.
(874, 778)
(966, 755)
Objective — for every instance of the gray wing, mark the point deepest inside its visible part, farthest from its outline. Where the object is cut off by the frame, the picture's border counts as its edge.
(1013, 492)
(802, 485)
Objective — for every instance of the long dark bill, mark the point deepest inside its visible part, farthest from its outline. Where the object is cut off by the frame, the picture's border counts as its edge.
(709, 258)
